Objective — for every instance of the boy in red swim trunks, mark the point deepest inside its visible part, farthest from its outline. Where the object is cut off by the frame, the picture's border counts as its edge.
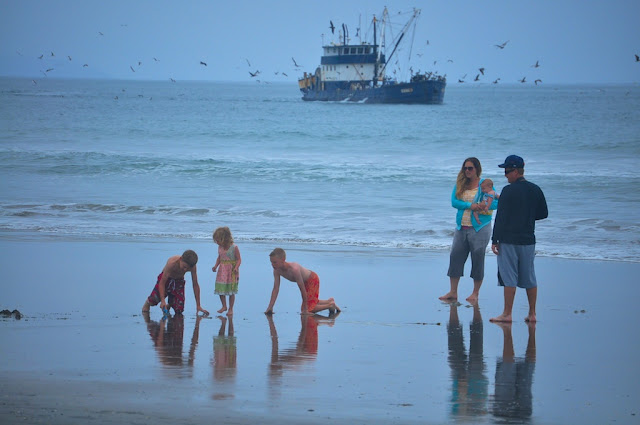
(171, 284)
(307, 281)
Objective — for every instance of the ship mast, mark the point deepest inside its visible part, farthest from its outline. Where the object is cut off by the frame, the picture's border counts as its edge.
(376, 53)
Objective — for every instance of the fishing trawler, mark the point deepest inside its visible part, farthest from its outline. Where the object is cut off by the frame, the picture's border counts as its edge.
(357, 73)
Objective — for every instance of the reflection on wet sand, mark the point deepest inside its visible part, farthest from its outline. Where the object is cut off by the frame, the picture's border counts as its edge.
(167, 336)
(514, 376)
(224, 359)
(305, 350)
(469, 390)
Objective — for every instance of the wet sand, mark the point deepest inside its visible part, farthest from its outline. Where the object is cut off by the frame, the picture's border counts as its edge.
(84, 354)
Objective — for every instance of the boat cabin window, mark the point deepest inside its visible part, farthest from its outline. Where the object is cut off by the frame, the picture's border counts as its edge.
(353, 50)
(360, 50)
(346, 51)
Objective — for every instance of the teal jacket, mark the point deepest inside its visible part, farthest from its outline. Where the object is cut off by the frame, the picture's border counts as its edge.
(461, 205)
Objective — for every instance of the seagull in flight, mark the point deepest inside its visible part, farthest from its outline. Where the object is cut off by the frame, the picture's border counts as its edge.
(537, 81)
(637, 58)
(332, 27)
(501, 46)
(536, 65)
(254, 74)
(496, 81)
(477, 78)
(524, 80)
(203, 63)
(132, 70)
(481, 70)
(296, 63)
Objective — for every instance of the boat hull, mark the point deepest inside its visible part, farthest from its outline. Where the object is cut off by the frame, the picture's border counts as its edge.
(415, 92)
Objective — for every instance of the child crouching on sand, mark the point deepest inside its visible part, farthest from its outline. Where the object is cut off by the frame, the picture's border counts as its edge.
(307, 281)
(171, 284)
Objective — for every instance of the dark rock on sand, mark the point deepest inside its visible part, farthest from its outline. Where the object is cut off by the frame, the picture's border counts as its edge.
(14, 313)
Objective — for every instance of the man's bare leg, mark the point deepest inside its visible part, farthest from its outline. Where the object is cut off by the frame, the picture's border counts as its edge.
(453, 292)
(532, 296)
(146, 307)
(509, 295)
(223, 300)
(473, 298)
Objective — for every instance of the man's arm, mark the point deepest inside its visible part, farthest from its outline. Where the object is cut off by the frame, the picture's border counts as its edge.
(196, 289)
(542, 212)
(274, 292)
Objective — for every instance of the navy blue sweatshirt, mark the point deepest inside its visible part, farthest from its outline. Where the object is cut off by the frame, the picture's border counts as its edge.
(521, 204)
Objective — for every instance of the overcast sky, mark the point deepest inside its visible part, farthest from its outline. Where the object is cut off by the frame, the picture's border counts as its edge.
(574, 41)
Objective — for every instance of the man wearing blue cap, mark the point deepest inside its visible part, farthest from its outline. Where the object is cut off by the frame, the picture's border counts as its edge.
(513, 241)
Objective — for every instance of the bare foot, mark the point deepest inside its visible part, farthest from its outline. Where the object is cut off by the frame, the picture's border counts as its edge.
(530, 318)
(230, 312)
(501, 318)
(473, 298)
(146, 307)
(223, 309)
(449, 296)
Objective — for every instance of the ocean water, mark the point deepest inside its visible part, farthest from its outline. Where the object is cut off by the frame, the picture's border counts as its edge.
(129, 160)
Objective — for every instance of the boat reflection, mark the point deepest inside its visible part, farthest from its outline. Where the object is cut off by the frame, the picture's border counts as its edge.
(514, 377)
(224, 360)
(167, 336)
(469, 384)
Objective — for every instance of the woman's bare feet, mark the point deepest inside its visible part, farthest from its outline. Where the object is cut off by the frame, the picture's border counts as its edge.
(230, 312)
(530, 318)
(223, 309)
(146, 307)
(472, 299)
(502, 318)
(449, 296)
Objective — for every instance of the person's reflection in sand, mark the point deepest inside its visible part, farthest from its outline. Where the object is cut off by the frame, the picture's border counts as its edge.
(469, 383)
(514, 376)
(305, 350)
(224, 360)
(167, 336)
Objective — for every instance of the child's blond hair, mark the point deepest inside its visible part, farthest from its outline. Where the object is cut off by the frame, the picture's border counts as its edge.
(278, 253)
(222, 236)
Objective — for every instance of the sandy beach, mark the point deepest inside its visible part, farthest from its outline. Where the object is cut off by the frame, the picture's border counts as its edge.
(84, 354)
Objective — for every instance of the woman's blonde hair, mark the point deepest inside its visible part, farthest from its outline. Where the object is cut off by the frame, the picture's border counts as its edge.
(462, 180)
(222, 236)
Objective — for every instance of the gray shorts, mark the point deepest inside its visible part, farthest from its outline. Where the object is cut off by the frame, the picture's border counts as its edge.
(515, 266)
(465, 242)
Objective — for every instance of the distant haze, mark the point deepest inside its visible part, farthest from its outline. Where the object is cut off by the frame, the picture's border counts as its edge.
(572, 41)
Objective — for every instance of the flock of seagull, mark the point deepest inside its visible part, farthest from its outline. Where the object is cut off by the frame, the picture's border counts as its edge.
(49, 62)
(49, 67)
